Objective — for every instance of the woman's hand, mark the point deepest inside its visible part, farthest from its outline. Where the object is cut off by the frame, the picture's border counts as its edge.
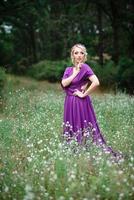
(76, 69)
(79, 65)
(79, 94)
(83, 87)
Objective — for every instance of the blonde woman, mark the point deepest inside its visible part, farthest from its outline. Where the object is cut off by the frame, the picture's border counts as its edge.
(80, 121)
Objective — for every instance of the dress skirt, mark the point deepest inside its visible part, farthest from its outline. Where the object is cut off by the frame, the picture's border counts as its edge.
(80, 120)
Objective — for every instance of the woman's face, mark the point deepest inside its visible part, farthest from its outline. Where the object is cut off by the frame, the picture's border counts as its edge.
(78, 55)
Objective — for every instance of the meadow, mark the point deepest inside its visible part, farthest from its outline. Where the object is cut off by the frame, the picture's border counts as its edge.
(37, 164)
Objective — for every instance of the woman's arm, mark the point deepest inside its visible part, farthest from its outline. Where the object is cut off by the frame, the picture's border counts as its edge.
(85, 86)
(65, 82)
(94, 83)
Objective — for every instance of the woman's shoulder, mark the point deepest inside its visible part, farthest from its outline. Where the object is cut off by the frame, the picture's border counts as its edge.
(86, 66)
(68, 68)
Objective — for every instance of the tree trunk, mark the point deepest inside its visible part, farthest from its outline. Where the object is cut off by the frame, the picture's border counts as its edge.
(100, 44)
(116, 29)
(33, 43)
(115, 42)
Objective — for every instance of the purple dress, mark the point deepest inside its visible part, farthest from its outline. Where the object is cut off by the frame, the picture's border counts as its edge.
(80, 121)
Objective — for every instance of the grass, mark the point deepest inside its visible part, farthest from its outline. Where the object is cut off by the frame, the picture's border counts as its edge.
(37, 164)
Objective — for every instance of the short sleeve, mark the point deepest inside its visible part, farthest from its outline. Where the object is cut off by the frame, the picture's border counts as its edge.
(66, 73)
(89, 71)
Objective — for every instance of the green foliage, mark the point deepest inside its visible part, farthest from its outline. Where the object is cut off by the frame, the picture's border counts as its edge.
(2, 81)
(41, 29)
(125, 76)
(114, 76)
(36, 30)
(48, 70)
(6, 48)
(20, 67)
(106, 73)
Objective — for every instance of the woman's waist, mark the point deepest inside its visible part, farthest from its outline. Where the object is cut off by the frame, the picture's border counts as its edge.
(72, 90)
(71, 95)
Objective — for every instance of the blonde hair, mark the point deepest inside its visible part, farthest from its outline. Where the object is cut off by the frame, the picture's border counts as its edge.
(83, 48)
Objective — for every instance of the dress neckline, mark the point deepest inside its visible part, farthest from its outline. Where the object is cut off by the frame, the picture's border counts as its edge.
(74, 66)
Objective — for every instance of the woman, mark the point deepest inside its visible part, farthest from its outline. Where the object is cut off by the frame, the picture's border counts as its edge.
(80, 121)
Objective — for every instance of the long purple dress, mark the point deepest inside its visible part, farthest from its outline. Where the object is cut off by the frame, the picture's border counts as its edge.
(80, 121)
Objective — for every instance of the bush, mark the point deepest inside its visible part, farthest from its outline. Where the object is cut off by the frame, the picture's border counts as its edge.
(109, 73)
(125, 75)
(20, 67)
(113, 76)
(106, 73)
(48, 70)
(2, 81)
